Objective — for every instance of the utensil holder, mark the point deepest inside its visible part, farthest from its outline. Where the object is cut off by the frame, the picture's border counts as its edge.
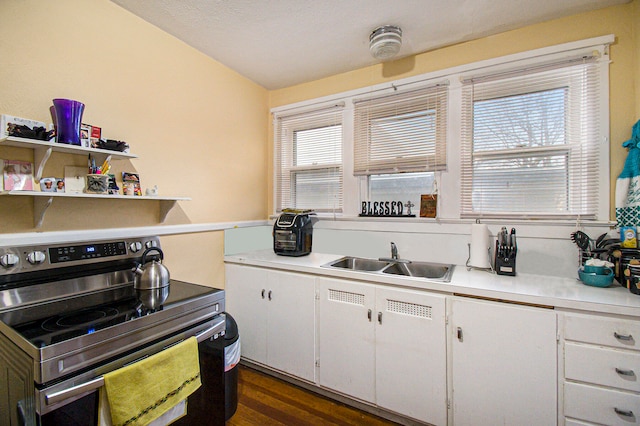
(97, 184)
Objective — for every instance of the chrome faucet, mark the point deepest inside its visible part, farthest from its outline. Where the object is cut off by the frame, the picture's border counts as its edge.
(394, 256)
(394, 251)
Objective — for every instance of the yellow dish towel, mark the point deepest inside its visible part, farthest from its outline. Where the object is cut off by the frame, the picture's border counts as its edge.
(143, 391)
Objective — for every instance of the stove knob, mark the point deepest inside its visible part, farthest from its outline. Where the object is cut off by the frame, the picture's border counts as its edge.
(8, 260)
(150, 244)
(135, 247)
(36, 257)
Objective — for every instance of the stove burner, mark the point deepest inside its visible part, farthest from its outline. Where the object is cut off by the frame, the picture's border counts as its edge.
(75, 319)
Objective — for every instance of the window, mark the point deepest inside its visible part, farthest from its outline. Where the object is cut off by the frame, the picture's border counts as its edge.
(309, 160)
(523, 136)
(400, 187)
(399, 141)
(530, 142)
(401, 132)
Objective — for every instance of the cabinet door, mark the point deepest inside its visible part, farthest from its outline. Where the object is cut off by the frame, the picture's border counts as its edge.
(346, 338)
(504, 360)
(411, 354)
(291, 334)
(245, 300)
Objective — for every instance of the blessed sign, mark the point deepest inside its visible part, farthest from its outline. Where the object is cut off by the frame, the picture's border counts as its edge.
(386, 209)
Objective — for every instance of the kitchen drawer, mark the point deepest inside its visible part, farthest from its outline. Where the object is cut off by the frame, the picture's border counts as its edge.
(598, 405)
(602, 366)
(603, 330)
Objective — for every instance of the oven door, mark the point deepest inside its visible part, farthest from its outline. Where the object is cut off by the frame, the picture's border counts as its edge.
(74, 401)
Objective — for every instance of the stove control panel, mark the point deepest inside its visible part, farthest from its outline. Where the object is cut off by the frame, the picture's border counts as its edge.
(36, 258)
(87, 251)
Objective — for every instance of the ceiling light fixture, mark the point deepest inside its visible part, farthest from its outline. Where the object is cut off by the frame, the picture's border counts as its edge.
(385, 42)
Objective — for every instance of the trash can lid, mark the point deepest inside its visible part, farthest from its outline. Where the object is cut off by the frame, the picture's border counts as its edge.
(231, 328)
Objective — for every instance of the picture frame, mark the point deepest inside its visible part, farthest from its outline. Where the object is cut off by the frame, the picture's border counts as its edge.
(48, 184)
(429, 205)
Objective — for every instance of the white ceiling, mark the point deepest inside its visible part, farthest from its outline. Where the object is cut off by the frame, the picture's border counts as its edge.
(280, 43)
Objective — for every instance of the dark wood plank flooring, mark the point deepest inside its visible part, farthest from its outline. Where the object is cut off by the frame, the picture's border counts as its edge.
(266, 400)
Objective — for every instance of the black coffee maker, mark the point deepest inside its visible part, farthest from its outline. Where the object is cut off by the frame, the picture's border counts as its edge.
(293, 232)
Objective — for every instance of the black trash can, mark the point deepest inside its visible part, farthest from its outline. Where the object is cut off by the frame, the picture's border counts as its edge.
(229, 348)
(217, 400)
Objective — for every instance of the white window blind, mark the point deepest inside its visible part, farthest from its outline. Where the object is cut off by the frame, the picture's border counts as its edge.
(531, 141)
(401, 132)
(308, 160)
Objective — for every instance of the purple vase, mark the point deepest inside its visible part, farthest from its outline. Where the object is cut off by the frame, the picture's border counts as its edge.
(68, 120)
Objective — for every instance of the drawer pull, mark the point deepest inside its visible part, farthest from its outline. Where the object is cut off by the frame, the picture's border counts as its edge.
(626, 413)
(369, 315)
(625, 372)
(625, 337)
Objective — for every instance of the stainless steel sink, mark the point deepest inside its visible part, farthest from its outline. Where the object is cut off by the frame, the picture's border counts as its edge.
(359, 264)
(421, 269)
(427, 270)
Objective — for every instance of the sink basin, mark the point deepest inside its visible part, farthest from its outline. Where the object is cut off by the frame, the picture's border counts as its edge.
(421, 269)
(359, 264)
(427, 270)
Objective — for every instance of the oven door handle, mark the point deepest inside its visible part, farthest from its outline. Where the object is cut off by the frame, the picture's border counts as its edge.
(98, 382)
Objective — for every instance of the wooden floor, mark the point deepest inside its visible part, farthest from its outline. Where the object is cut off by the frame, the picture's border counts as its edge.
(265, 400)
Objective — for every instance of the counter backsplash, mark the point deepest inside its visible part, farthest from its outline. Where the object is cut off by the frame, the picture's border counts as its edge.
(543, 250)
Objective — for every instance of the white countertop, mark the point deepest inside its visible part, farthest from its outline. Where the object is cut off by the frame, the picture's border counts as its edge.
(525, 288)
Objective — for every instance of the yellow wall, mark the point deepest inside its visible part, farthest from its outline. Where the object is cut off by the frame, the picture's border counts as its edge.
(623, 21)
(199, 129)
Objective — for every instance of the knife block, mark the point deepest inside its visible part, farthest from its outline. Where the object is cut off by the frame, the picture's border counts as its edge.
(505, 265)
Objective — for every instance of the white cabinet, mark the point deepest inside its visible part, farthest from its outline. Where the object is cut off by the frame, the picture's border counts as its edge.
(503, 363)
(347, 338)
(385, 346)
(601, 356)
(275, 312)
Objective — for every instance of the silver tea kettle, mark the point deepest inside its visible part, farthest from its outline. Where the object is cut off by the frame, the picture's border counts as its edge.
(151, 280)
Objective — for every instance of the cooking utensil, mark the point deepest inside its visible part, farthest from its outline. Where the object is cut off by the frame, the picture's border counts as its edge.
(581, 239)
(600, 239)
(151, 280)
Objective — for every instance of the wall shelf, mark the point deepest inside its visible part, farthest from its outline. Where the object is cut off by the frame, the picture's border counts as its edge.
(42, 201)
(42, 151)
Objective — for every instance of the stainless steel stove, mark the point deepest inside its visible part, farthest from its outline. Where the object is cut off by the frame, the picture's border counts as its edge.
(69, 314)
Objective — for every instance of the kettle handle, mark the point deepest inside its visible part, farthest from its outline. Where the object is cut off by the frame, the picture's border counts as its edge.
(150, 249)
